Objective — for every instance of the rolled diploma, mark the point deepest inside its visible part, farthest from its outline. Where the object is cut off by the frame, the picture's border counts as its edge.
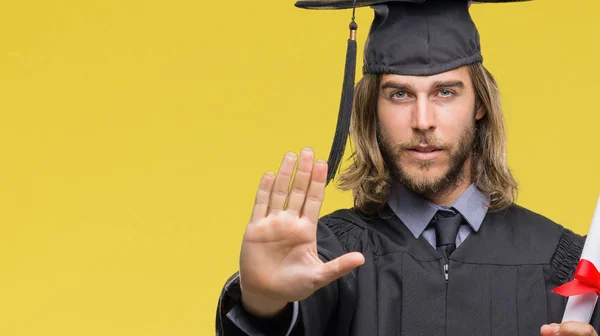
(581, 307)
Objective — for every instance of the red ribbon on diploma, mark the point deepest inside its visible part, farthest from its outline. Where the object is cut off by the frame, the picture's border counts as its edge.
(587, 280)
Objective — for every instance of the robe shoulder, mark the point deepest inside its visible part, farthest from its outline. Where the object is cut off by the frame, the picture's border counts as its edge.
(349, 230)
(531, 238)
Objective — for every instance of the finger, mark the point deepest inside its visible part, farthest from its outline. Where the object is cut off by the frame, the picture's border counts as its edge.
(282, 183)
(261, 202)
(338, 267)
(316, 192)
(301, 182)
(550, 329)
(576, 329)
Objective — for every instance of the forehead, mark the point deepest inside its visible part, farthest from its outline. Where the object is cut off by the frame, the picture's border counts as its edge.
(459, 74)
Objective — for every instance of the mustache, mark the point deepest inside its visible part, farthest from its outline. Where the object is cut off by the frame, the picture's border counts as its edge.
(422, 140)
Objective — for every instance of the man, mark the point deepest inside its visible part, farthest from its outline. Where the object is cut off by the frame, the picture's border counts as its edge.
(434, 244)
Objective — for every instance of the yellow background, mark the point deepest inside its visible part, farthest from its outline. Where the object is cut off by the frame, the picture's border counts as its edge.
(133, 135)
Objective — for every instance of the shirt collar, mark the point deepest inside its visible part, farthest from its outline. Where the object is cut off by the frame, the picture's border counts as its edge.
(417, 212)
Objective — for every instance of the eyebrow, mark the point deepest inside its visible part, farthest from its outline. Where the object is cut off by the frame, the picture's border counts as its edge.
(449, 84)
(436, 85)
(397, 86)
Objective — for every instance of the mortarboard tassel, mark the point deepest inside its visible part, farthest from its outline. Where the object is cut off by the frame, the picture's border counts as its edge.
(343, 123)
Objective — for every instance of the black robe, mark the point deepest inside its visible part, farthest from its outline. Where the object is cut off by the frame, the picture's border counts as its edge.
(499, 280)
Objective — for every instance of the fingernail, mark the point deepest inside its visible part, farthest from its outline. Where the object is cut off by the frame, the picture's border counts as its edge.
(270, 174)
(291, 155)
(321, 161)
(307, 150)
(556, 329)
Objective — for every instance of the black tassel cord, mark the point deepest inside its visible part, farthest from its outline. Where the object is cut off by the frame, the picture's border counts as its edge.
(345, 113)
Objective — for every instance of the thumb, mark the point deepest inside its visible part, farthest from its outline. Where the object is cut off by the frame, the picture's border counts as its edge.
(338, 267)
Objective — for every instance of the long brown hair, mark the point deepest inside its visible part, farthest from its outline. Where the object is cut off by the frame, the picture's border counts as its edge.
(368, 176)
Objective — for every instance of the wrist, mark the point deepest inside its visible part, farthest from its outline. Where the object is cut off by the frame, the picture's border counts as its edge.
(262, 307)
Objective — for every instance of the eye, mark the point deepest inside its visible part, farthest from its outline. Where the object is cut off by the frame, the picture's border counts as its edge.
(399, 95)
(446, 93)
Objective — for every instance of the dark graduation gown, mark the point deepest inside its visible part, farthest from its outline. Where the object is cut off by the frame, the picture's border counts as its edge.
(499, 280)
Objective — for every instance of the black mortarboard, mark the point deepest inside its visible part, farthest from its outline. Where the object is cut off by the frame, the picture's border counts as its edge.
(407, 37)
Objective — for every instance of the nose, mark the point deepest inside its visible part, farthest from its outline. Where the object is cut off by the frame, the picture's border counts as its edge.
(423, 118)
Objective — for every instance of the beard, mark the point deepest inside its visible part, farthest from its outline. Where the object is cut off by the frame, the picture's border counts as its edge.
(421, 182)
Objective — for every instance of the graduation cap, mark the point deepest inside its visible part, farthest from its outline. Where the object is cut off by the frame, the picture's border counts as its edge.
(406, 37)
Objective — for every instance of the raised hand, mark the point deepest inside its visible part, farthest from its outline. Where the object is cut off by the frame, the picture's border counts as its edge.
(278, 260)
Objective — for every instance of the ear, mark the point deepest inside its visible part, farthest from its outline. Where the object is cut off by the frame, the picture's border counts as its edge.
(480, 110)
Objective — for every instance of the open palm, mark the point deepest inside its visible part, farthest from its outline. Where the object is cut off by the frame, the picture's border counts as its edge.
(279, 260)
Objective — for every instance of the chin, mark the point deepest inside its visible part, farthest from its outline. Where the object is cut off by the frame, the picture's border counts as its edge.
(424, 180)
(425, 170)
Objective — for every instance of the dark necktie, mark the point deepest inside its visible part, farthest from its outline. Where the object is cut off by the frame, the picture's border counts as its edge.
(446, 225)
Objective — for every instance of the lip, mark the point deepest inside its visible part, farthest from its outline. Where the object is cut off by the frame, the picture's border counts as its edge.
(425, 153)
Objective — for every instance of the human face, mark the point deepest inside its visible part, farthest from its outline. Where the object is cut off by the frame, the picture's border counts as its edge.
(427, 128)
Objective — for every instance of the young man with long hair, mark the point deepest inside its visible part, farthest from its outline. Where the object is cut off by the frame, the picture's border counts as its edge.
(434, 244)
